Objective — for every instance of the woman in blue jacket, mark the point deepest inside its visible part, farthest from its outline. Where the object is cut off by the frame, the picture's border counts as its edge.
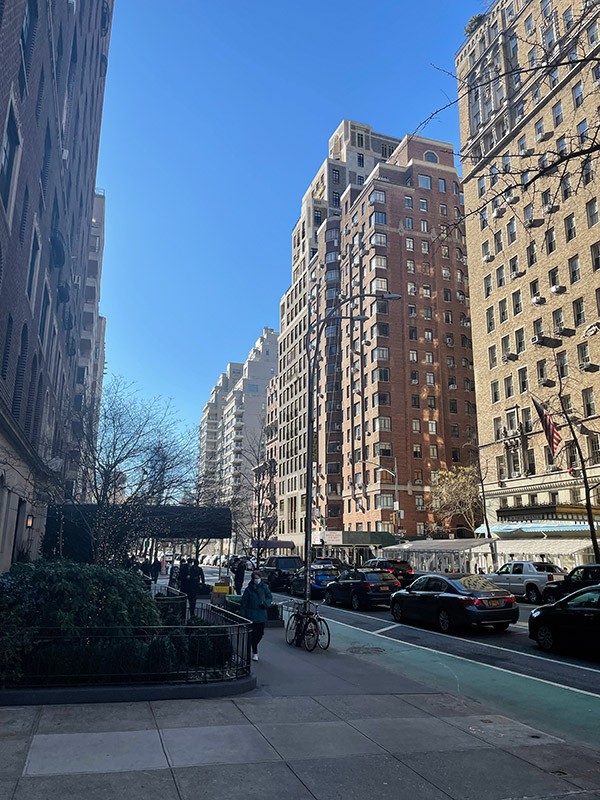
(256, 599)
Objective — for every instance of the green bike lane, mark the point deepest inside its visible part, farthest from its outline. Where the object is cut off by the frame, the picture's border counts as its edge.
(567, 712)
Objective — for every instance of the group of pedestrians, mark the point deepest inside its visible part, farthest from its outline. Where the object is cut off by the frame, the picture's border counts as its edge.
(151, 569)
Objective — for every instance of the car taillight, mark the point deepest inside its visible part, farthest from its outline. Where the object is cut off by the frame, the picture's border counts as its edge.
(410, 571)
(397, 583)
(387, 569)
(470, 601)
(367, 585)
(550, 576)
(510, 599)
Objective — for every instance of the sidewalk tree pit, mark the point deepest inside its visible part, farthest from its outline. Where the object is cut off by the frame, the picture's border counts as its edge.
(67, 624)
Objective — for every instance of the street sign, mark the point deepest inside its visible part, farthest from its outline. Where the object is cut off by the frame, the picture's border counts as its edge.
(333, 537)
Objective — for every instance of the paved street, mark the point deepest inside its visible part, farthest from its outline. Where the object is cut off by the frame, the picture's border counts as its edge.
(512, 650)
(346, 723)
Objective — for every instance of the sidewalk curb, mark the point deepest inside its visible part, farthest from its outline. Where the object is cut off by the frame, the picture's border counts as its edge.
(125, 694)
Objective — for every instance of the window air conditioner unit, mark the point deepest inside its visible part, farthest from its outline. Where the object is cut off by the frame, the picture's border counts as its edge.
(528, 222)
(557, 289)
(337, 426)
(558, 329)
(418, 482)
(548, 208)
(543, 382)
(513, 276)
(505, 358)
(552, 468)
(512, 199)
(76, 280)
(537, 300)
(487, 258)
(539, 137)
(537, 339)
(497, 213)
(512, 432)
(585, 366)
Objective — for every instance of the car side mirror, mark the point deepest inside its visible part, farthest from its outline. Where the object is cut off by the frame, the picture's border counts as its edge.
(409, 589)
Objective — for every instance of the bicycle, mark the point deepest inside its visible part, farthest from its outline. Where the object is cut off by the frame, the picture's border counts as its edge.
(306, 627)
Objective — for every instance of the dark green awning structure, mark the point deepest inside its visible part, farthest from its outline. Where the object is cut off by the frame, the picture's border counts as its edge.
(368, 539)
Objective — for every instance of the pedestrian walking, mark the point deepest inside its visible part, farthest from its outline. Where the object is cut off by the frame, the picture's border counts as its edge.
(256, 599)
(239, 575)
(145, 568)
(195, 576)
(156, 567)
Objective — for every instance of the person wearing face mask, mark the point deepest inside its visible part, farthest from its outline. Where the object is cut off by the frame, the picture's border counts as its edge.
(256, 599)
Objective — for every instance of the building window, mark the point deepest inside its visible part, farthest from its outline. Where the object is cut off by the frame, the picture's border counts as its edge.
(11, 144)
(589, 404)
(574, 269)
(424, 182)
(417, 451)
(336, 199)
(578, 312)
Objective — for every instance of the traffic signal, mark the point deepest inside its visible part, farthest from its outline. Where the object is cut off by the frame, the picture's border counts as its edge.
(394, 519)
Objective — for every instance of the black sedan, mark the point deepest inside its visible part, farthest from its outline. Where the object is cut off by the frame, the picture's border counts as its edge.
(455, 601)
(361, 589)
(319, 578)
(573, 621)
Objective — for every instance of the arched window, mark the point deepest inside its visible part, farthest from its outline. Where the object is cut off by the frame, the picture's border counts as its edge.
(38, 412)
(30, 397)
(7, 344)
(20, 375)
(431, 156)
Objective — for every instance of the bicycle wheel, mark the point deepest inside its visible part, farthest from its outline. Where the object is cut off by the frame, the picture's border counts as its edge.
(324, 635)
(291, 627)
(311, 634)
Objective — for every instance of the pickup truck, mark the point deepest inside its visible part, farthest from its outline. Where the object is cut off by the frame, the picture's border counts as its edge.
(526, 578)
(578, 578)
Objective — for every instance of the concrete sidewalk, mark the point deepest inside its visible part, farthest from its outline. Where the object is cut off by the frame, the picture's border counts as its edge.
(320, 725)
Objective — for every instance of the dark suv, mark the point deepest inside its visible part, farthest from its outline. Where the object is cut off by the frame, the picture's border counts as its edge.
(578, 578)
(277, 571)
(401, 569)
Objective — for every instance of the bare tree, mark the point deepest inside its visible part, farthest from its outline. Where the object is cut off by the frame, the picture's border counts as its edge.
(456, 493)
(132, 453)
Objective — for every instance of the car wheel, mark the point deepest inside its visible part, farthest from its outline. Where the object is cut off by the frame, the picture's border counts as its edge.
(355, 602)
(545, 638)
(533, 595)
(549, 597)
(501, 626)
(397, 611)
(329, 601)
(444, 621)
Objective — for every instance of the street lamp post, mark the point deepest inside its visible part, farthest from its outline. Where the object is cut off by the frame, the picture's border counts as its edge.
(317, 328)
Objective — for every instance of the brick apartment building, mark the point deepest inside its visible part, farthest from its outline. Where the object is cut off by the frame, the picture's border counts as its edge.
(528, 84)
(53, 59)
(395, 392)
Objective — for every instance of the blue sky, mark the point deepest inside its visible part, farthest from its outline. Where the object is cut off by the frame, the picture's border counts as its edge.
(216, 117)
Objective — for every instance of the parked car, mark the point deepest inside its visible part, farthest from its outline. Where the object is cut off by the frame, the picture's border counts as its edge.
(402, 569)
(573, 621)
(319, 578)
(526, 578)
(361, 588)
(327, 561)
(277, 571)
(455, 601)
(578, 578)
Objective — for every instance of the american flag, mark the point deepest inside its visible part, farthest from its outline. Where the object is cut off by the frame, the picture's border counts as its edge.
(552, 435)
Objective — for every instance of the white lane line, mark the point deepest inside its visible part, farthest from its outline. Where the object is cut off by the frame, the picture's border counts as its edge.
(471, 661)
(389, 628)
(545, 659)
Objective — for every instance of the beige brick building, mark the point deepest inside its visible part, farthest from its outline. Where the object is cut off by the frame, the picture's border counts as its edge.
(529, 108)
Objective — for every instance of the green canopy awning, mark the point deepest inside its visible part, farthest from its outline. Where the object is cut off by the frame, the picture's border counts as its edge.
(368, 539)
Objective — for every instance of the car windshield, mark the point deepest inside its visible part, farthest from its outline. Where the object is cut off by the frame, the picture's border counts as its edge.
(326, 573)
(289, 563)
(543, 567)
(476, 583)
(399, 564)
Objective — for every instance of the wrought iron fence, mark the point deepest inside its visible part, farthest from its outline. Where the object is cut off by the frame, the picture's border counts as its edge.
(216, 650)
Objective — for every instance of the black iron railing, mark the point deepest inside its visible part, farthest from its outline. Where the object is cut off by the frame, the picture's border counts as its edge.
(216, 650)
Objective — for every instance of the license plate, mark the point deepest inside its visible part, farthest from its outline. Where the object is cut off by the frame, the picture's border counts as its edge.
(494, 603)
(384, 588)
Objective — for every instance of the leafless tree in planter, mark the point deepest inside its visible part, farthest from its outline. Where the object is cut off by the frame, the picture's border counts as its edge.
(131, 453)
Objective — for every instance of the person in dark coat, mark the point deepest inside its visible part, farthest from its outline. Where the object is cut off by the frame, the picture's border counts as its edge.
(156, 567)
(146, 568)
(195, 576)
(256, 599)
(239, 575)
